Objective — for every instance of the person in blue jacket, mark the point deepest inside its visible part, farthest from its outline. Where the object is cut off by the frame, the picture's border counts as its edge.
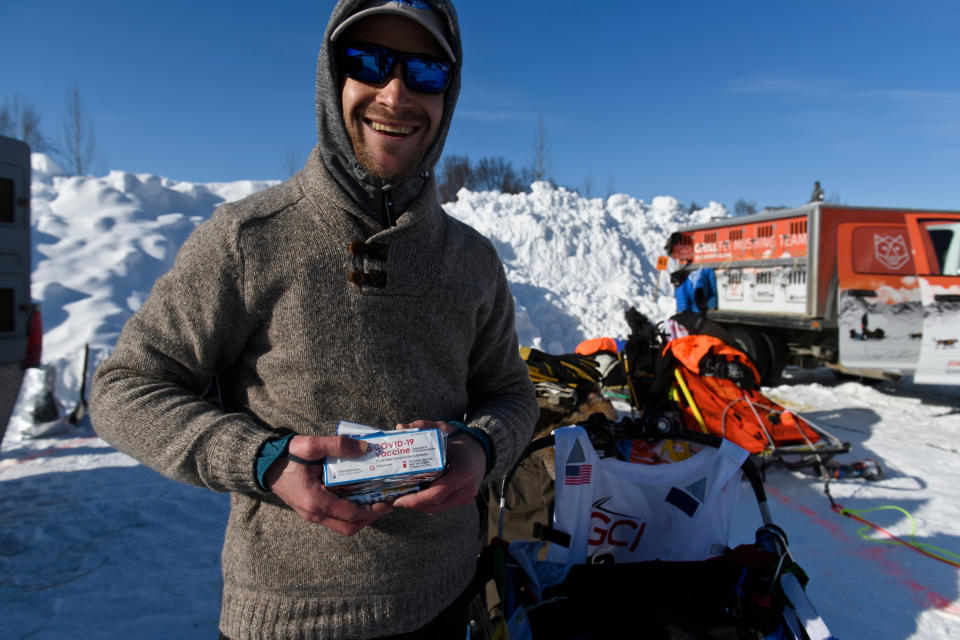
(696, 291)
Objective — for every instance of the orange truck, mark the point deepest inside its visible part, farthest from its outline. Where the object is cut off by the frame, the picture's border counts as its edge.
(867, 291)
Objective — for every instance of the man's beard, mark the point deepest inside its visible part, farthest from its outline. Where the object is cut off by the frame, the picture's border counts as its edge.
(368, 159)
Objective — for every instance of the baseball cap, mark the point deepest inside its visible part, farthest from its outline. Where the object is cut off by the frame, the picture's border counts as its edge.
(416, 10)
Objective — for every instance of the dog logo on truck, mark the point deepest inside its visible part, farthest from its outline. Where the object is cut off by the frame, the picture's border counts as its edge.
(891, 251)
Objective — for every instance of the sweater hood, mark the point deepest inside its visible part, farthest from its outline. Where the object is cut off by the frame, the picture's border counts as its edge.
(334, 145)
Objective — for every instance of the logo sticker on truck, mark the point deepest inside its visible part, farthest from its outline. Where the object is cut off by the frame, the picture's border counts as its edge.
(891, 251)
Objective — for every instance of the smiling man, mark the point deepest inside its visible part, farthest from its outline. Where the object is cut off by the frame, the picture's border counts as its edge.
(345, 293)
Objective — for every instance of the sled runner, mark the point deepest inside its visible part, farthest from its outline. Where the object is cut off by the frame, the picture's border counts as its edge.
(641, 551)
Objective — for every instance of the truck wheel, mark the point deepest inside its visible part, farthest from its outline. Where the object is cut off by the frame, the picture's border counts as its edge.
(751, 342)
(778, 357)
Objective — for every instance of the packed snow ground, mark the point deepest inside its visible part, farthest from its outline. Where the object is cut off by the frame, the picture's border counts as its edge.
(94, 545)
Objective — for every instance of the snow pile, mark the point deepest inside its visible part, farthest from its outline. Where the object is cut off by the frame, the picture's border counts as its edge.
(99, 244)
(576, 264)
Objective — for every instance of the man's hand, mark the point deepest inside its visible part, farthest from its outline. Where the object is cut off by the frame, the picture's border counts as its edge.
(301, 486)
(460, 484)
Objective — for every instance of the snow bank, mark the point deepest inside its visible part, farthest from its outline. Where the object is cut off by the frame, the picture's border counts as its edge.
(574, 264)
(100, 243)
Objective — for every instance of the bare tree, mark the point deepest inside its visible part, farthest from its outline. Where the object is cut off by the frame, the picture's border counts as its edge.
(20, 119)
(541, 153)
(79, 144)
(611, 185)
(743, 208)
(489, 174)
(293, 161)
(587, 191)
(497, 174)
(455, 174)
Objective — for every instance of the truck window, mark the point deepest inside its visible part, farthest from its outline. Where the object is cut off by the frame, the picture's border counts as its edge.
(6, 200)
(7, 315)
(882, 250)
(945, 237)
(7, 318)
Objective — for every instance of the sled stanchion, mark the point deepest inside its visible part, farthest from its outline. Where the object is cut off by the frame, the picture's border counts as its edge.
(80, 411)
(634, 398)
(690, 402)
(756, 483)
(503, 508)
(763, 427)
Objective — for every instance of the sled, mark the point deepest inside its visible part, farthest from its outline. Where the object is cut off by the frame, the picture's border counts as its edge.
(716, 389)
(673, 591)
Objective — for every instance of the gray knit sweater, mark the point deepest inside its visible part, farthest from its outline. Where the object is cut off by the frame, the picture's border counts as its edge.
(268, 295)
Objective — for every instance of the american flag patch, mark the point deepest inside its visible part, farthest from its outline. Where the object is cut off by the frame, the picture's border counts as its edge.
(576, 474)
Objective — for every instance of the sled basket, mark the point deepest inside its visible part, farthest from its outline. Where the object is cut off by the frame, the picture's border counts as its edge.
(751, 591)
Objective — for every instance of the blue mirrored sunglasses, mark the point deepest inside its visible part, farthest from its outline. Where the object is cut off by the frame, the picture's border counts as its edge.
(373, 64)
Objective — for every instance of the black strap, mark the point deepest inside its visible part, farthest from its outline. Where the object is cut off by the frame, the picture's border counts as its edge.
(303, 461)
(549, 534)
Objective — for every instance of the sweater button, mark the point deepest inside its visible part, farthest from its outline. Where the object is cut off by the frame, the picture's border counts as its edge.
(358, 278)
(356, 248)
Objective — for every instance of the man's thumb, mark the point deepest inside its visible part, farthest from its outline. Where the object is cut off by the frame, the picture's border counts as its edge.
(346, 447)
(315, 448)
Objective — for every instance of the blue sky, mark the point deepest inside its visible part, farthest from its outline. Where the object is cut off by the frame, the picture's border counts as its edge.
(700, 100)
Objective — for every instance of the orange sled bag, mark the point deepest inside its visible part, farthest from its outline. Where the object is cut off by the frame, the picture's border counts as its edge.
(718, 391)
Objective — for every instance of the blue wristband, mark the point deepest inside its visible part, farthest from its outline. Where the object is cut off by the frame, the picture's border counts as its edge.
(477, 434)
(270, 452)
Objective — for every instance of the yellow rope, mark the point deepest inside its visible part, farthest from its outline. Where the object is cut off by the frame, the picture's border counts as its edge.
(935, 552)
